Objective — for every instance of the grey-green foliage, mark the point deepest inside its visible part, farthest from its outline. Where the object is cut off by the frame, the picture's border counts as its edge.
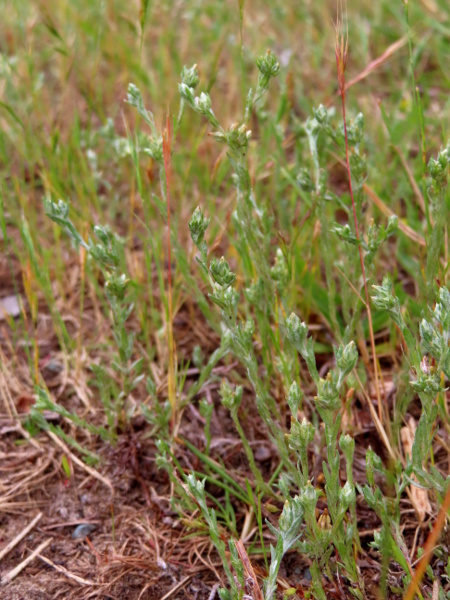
(322, 197)
(435, 333)
(232, 399)
(389, 541)
(251, 219)
(44, 403)
(107, 253)
(339, 498)
(287, 536)
(318, 539)
(376, 235)
(253, 238)
(432, 342)
(197, 489)
(206, 410)
(197, 227)
(134, 98)
(328, 389)
(438, 170)
(316, 187)
(251, 223)
(384, 299)
(240, 334)
(297, 333)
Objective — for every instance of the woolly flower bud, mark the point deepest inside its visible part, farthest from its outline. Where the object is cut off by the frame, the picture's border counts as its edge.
(190, 76)
(294, 398)
(58, 212)
(221, 272)
(321, 114)
(327, 394)
(187, 93)
(197, 226)
(346, 358)
(384, 299)
(268, 65)
(116, 286)
(230, 399)
(438, 167)
(203, 103)
(392, 225)
(296, 331)
(346, 234)
(302, 434)
(346, 496)
(308, 497)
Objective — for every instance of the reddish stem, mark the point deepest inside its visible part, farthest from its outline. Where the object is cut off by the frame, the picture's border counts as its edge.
(428, 549)
(341, 60)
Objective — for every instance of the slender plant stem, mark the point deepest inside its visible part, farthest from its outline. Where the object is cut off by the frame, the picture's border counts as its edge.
(167, 143)
(82, 255)
(341, 59)
(416, 93)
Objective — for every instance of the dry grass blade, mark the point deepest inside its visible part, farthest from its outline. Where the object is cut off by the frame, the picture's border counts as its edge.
(250, 576)
(23, 478)
(179, 586)
(341, 47)
(379, 426)
(419, 496)
(428, 549)
(13, 543)
(382, 206)
(14, 572)
(408, 231)
(65, 572)
(412, 181)
(378, 62)
(9, 402)
(80, 463)
(435, 590)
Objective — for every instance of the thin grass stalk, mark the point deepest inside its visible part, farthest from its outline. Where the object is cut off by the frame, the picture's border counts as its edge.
(30, 291)
(241, 40)
(167, 149)
(82, 254)
(341, 52)
(416, 93)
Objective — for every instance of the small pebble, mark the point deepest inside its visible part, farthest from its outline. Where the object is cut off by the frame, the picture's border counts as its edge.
(83, 530)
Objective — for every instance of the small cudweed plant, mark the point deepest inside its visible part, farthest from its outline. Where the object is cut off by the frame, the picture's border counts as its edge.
(331, 530)
(107, 254)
